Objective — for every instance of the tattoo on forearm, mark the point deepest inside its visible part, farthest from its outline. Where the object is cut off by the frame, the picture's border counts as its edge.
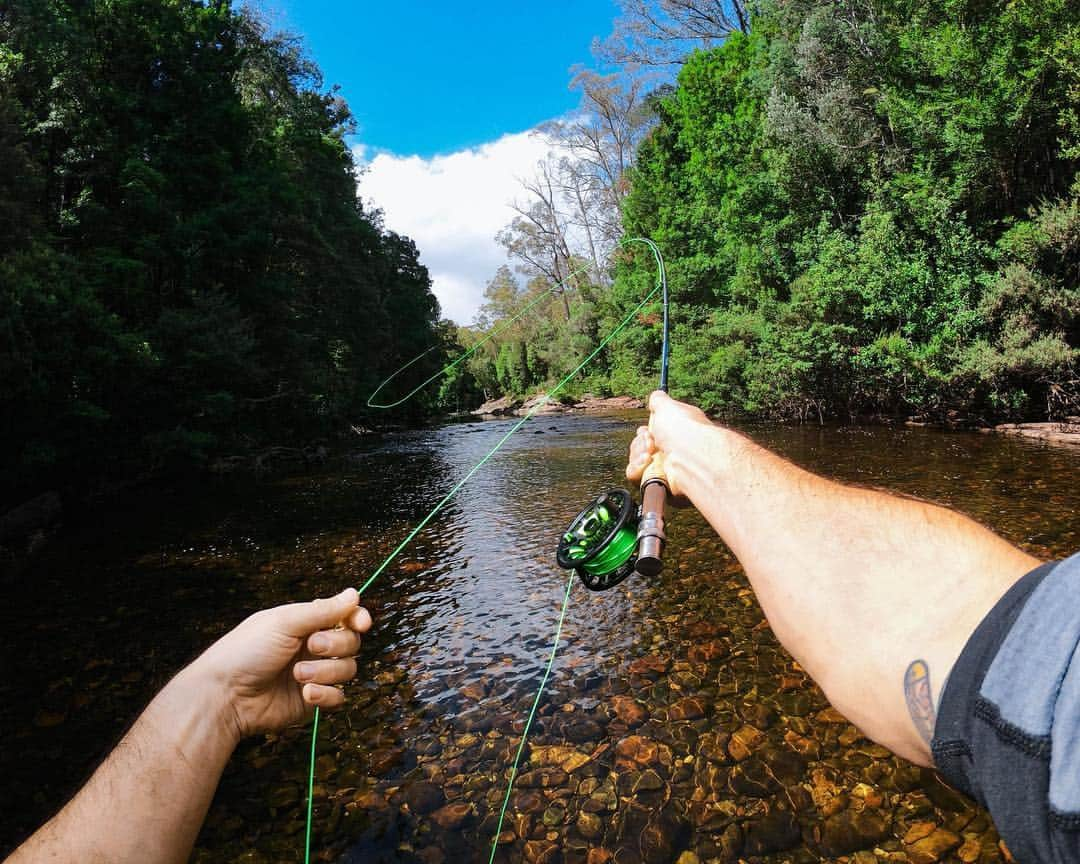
(920, 702)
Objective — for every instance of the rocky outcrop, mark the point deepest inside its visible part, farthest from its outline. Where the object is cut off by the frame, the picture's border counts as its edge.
(609, 403)
(1065, 432)
(541, 403)
(498, 407)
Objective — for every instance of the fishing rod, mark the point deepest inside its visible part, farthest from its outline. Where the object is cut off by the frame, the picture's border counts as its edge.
(614, 537)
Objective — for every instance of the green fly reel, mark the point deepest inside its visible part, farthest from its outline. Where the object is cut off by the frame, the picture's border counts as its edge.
(601, 542)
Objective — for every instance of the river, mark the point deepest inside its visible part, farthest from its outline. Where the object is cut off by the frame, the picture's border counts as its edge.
(674, 727)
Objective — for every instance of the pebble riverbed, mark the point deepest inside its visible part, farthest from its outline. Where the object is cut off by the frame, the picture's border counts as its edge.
(675, 728)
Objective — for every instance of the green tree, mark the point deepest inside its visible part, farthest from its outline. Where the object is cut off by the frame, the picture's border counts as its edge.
(842, 194)
(188, 270)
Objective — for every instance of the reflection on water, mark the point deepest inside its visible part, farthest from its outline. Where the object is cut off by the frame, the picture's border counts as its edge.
(674, 724)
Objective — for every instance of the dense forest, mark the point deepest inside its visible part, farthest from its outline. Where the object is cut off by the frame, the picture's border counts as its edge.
(869, 208)
(185, 269)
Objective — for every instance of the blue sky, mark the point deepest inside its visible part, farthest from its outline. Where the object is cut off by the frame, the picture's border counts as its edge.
(445, 96)
(430, 78)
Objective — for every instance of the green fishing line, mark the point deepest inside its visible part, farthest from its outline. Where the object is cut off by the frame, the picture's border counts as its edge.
(532, 714)
(449, 495)
(311, 784)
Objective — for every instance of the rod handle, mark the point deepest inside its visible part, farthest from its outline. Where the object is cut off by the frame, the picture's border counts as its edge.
(651, 537)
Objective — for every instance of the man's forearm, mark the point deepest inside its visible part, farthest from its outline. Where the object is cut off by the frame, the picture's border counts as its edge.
(147, 801)
(857, 584)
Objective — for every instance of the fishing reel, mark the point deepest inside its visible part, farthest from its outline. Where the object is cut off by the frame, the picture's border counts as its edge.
(613, 537)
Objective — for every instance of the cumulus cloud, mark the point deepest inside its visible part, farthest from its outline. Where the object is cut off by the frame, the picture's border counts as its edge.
(452, 206)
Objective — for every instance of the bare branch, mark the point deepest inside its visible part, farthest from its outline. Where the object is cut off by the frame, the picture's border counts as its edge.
(662, 33)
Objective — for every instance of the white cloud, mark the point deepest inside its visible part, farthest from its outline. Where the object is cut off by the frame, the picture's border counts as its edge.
(453, 206)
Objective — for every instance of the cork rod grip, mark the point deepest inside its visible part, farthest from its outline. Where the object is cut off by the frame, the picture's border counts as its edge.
(654, 470)
(651, 536)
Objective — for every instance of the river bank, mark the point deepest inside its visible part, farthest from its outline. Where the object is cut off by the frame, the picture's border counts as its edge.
(1052, 432)
(513, 406)
(1066, 432)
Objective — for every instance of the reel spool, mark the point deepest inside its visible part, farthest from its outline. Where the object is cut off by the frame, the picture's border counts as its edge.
(601, 542)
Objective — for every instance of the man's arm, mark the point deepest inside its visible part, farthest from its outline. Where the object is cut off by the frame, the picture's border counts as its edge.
(873, 594)
(147, 800)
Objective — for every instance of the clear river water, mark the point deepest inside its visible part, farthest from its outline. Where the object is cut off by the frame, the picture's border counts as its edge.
(675, 727)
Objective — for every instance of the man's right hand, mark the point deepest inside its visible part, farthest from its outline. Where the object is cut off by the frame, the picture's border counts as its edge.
(671, 426)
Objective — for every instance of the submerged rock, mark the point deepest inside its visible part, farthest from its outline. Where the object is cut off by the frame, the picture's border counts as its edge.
(528, 802)
(927, 846)
(753, 779)
(424, 797)
(661, 836)
(382, 760)
(849, 830)
(452, 816)
(787, 767)
(602, 799)
(566, 758)
(629, 711)
(542, 852)
(651, 666)
(690, 708)
(707, 651)
(542, 778)
(554, 815)
(773, 832)
(638, 749)
(590, 825)
(744, 741)
(714, 747)
(730, 843)
(582, 731)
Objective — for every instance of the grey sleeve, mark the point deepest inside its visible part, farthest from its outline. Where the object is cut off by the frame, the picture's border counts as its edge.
(1008, 731)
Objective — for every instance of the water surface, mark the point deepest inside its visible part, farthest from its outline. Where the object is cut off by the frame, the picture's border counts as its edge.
(674, 723)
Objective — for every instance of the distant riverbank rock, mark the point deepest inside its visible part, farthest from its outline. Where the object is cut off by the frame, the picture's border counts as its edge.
(1067, 432)
(542, 404)
(610, 403)
(503, 405)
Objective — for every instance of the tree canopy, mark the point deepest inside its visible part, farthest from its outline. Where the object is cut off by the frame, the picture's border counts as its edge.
(185, 267)
(867, 208)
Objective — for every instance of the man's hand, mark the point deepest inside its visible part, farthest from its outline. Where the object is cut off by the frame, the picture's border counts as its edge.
(671, 427)
(280, 662)
(264, 674)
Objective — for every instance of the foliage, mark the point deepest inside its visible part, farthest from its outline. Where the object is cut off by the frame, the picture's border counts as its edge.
(185, 269)
(868, 208)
